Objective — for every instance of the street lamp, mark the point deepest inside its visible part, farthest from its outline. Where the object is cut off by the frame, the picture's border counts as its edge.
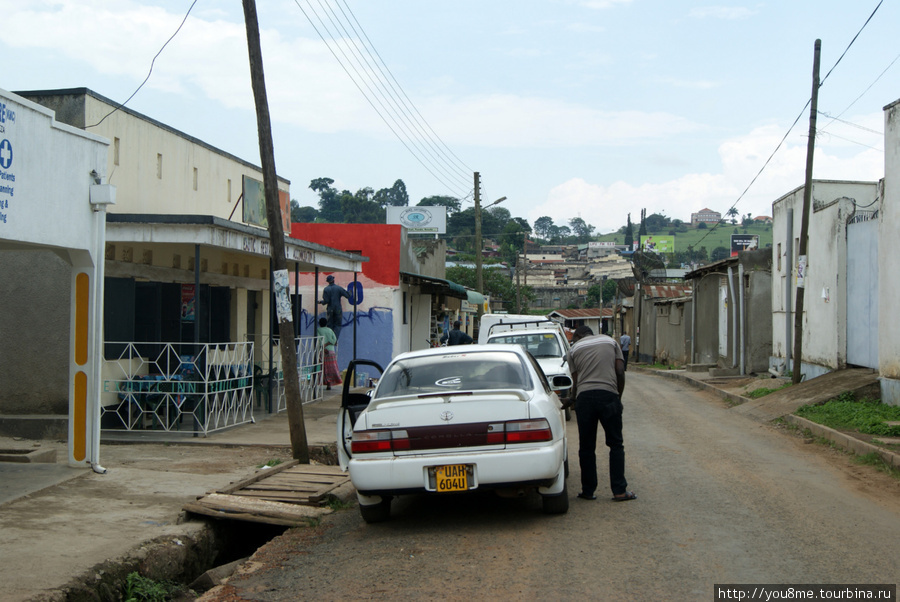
(479, 277)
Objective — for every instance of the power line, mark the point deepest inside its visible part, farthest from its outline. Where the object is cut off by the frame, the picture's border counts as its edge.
(394, 110)
(781, 143)
(151, 68)
(392, 116)
(468, 170)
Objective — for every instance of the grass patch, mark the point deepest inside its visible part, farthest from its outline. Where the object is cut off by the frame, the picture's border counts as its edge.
(336, 504)
(878, 463)
(763, 391)
(142, 589)
(271, 463)
(845, 412)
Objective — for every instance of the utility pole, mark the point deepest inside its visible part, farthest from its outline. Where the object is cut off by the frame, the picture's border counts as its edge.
(802, 261)
(479, 277)
(299, 444)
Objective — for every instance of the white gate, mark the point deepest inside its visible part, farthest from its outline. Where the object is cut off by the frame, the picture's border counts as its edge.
(862, 289)
(723, 317)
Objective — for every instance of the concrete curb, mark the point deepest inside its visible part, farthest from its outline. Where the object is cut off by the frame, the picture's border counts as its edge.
(842, 440)
(851, 444)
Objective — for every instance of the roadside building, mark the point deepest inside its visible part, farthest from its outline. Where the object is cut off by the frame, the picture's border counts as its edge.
(187, 314)
(840, 277)
(732, 318)
(888, 245)
(407, 301)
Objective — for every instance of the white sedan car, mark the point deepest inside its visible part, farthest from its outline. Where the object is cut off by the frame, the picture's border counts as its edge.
(455, 419)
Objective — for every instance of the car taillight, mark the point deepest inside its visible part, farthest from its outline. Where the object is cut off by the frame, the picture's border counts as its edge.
(525, 431)
(378, 441)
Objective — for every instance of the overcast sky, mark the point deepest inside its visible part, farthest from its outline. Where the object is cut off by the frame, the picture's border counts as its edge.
(569, 108)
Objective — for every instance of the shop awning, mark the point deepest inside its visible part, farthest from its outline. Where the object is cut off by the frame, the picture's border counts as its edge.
(432, 285)
(474, 297)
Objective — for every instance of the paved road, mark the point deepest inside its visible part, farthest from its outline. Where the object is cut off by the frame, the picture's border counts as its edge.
(722, 499)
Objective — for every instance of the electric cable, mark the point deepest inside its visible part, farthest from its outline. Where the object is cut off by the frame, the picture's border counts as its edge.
(151, 68)
(367, 98)
(398, 115)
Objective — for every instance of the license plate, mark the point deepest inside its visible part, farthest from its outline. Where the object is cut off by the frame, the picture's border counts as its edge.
(454, 477)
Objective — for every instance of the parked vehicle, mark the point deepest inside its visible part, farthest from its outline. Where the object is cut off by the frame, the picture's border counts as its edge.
(540, 336)
(451, 420)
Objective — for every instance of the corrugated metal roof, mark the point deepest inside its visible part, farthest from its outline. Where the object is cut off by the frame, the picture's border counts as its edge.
(574, 314)
(666, 291)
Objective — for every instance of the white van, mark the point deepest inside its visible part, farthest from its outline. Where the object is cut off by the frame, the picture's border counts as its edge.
(542, 337)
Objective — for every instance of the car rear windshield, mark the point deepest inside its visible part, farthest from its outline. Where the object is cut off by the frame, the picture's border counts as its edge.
(539, 345)
(454, 372)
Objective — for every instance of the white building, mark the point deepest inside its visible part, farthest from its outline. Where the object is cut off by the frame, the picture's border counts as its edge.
(838, 329)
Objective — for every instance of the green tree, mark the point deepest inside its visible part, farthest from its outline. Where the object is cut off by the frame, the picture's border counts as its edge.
(452, 204)
(629, 233)
(329, 201)
(732, 213)
(720, 253)
(609, 290)
(496, 284)
(594, 296)
(302, 215)
(642, 230)
(542, 226)
(395, 196)
(582, 229)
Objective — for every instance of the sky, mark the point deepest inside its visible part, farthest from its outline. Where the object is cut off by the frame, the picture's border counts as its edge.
(568, 108)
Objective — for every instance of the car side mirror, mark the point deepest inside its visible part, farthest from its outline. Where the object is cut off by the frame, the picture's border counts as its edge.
(561, 381)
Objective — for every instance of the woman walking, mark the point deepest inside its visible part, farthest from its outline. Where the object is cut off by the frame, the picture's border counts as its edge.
(331, 376)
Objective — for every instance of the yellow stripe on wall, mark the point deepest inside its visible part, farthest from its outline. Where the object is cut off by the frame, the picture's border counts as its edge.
(79, 420)
(82, 311)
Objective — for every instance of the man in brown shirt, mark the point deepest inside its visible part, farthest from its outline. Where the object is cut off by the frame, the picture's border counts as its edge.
(598, 372)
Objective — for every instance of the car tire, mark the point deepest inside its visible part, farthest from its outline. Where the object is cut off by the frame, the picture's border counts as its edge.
(376, 513)
(566, 467)
(558, 503)
(568, 415)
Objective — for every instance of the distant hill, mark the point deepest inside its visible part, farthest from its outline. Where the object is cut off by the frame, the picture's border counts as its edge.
(709, 238)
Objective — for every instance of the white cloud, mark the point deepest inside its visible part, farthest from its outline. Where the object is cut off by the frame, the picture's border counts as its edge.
(505, 120)
(606, 207)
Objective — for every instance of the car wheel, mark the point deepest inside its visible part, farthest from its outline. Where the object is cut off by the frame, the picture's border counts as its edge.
(568, 415)
(558, 503)
(376, 513)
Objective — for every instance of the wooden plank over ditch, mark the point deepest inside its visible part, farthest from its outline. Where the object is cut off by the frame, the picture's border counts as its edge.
(289, 494)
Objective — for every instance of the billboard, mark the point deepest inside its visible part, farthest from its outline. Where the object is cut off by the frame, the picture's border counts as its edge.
(419, 220)
(658, 244)
(743, 242)
(254, 204)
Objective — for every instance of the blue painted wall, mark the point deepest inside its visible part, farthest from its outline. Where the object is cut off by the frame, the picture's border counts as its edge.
(374, 335)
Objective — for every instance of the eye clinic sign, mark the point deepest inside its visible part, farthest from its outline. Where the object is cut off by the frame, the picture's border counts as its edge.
(419, 220)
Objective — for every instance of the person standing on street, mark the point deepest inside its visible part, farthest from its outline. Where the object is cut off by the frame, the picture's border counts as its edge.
(334, 310)
(330, 373)
(598, 375)
(625, 344)
(456, 336)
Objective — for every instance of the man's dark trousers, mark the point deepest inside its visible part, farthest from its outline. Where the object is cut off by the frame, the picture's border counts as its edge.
(604, 407)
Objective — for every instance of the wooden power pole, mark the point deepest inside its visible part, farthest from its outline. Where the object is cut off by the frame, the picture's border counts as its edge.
(299, 444)
(802, 261)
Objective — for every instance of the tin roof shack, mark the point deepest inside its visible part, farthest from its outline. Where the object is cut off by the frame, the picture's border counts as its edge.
(888, 341)
(840, 277)
(645, 299)
(599, 319)
(674, 323)
(732, 330)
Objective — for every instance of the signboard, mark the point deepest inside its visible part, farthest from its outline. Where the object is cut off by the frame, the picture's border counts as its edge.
(600, 245)
(658, 244)
(188, 303)
(419, 220)
(254, 204)
(743, 242)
